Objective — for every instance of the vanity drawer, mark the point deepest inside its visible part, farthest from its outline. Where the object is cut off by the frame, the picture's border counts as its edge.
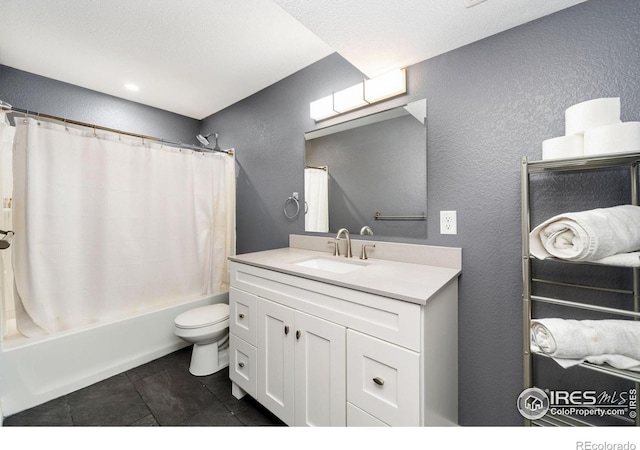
(243, 320)
(358, 418)
(243, 359)
(383, 379)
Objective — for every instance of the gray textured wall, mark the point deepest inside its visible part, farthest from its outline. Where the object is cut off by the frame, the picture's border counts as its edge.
(267, 131)
(489, 103)
(39, 94)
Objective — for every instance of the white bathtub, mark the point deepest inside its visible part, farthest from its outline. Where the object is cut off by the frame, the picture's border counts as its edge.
(36, 370)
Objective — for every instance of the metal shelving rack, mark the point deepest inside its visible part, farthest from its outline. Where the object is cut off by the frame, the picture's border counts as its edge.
(630, 160)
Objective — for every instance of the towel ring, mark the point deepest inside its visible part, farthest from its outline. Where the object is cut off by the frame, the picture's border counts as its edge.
(294, 215)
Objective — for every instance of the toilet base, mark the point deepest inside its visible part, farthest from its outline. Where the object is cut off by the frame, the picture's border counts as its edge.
(206, 359)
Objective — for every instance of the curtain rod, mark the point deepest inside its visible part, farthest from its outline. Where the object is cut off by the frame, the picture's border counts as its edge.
(5, 107)
(317, 167)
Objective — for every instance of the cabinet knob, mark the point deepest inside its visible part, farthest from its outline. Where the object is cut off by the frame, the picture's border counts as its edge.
(379, 381)
(297, 334)
(286, 329)
(241, 315)
(241, 364)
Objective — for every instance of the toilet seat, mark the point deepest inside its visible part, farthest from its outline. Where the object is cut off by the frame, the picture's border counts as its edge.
(203, 316)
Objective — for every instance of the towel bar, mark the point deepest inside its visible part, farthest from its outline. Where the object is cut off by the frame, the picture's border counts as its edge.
(379, 216)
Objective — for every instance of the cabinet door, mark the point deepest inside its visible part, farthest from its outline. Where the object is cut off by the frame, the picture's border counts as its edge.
(320, 372)
(276, 338)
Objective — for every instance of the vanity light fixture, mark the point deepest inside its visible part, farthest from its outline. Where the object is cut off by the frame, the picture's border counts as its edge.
(350, 98)
(323, 108)
(385, 86)
(362, 94)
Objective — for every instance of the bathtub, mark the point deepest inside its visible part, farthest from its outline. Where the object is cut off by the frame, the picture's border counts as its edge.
(36, 370)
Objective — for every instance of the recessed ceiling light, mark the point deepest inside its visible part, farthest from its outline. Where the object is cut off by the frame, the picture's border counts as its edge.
(131, 87)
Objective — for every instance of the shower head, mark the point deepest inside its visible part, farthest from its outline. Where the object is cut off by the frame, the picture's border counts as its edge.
(205, 141)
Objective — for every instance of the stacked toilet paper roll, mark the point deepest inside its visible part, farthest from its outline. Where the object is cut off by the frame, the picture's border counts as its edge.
(593, 128)
(617, 138)
(571, 146)
(591, 114)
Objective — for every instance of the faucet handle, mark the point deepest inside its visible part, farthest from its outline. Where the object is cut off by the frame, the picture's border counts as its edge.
(363, 254)
(336, 247)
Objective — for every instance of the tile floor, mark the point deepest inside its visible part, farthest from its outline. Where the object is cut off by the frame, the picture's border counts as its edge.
(159, 393)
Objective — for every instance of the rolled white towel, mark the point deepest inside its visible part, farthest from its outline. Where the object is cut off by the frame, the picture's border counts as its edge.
(589, 235)
(570, 341)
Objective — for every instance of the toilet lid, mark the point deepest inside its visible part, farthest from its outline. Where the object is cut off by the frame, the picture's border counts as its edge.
(203, 316)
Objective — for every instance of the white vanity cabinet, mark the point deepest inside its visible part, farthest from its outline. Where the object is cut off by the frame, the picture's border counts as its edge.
(298, 369)
(323, 354)
(301, 366)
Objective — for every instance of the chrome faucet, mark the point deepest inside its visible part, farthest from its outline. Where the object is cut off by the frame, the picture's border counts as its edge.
(366, 230)
(348, 237)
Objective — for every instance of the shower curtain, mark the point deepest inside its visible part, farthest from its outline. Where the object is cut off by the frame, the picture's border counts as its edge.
(7, 310)
(108, 226)
(316, 196)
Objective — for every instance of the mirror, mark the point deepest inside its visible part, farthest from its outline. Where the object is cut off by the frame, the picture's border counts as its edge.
(370, 171)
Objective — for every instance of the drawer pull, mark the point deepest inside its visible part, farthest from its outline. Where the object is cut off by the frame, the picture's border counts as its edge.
(241, 364)
(286, 329)
(378, 381)
(241, 315)
(297, 334)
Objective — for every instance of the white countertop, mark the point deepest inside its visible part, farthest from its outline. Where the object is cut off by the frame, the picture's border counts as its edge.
(406, 281)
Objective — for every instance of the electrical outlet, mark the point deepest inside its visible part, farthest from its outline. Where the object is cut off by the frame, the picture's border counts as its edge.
(448, 222)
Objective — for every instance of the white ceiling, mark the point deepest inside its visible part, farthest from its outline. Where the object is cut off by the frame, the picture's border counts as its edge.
(379, 35)
(196, 57)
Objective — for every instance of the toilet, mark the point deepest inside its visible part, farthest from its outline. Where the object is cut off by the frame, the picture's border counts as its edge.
(207, 328)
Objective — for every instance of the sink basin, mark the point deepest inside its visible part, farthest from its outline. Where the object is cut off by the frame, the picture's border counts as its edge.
(331, 264)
